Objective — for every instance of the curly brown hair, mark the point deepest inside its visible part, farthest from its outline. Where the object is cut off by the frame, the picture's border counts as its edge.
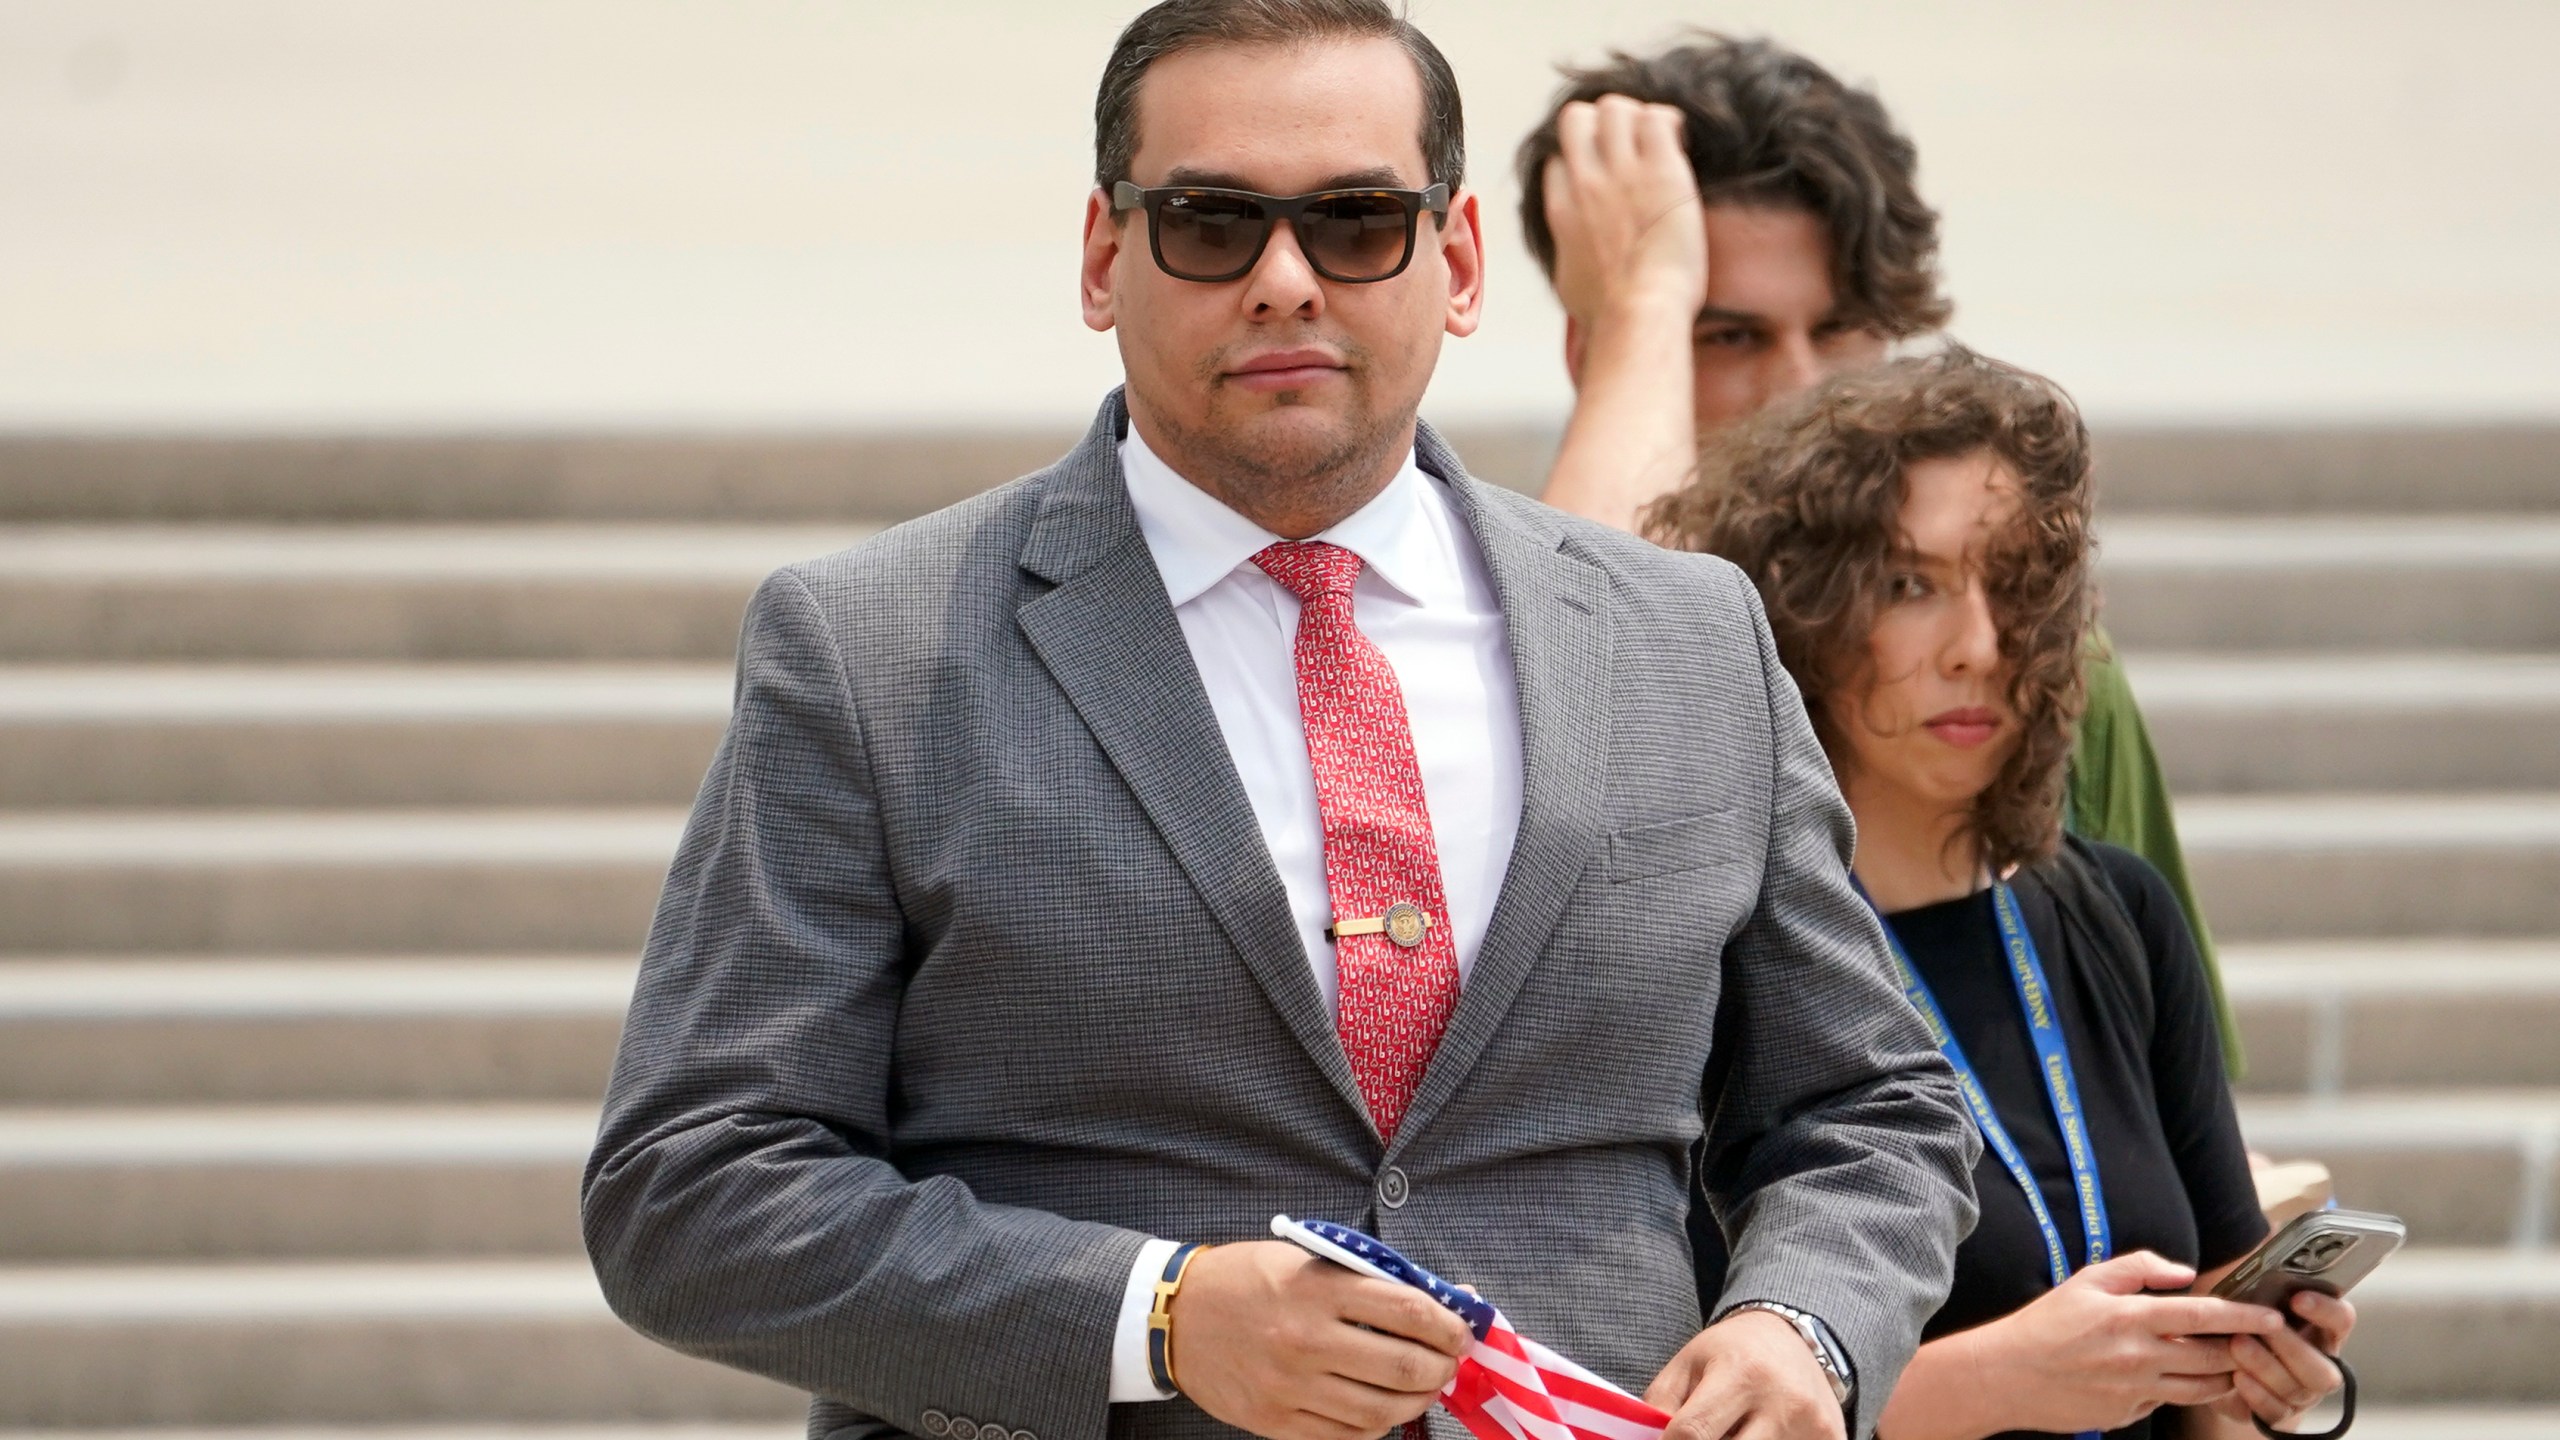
(1807, 499)
(1768, 126)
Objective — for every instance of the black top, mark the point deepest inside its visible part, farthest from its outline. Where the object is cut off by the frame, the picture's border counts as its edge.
(2169, 1152)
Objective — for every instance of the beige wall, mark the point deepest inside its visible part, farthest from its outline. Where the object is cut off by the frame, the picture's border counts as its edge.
(464, 212)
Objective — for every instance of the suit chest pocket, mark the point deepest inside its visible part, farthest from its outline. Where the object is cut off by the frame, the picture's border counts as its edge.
(1677, 847)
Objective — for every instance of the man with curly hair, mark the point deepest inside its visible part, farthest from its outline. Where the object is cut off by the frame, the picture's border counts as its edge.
(1726, 223)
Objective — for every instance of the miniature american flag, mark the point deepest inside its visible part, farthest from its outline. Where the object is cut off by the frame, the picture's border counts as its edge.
(1508, 1386)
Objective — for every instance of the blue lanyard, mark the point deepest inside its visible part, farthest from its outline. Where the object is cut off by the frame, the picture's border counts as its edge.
(2053, 1057)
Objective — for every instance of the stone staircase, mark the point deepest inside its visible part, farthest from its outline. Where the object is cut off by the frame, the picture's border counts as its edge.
(337, 777)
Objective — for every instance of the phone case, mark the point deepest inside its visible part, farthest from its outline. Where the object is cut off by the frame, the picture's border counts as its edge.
(2326, 1250)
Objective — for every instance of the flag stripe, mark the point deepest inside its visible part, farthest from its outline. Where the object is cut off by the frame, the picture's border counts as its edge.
(1512, 1388)
(1508, 1387)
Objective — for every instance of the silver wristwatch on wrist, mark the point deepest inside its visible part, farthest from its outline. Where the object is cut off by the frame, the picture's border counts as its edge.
(1817, 1337)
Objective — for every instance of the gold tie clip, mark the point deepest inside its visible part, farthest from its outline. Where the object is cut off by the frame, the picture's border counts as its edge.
(1404, 923)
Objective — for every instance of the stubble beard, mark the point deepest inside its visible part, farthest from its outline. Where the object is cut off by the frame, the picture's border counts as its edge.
(1286, 482)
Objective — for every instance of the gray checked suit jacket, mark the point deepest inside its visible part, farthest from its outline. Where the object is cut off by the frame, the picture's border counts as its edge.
(973, 971)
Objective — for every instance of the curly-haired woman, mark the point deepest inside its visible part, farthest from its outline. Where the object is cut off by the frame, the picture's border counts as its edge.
(1919, 533)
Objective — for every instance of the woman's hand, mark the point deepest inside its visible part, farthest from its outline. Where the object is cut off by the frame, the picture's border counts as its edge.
(2099, 1351)
(2279, 1377)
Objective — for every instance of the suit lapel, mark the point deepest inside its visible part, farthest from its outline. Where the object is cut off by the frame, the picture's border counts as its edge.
(1108, 635)
(1557, 608)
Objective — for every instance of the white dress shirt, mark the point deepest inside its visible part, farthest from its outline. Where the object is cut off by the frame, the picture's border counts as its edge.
(1425, 600)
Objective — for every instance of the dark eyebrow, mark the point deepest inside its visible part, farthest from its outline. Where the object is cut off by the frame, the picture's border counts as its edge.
(1718, 315)
(1383, 177)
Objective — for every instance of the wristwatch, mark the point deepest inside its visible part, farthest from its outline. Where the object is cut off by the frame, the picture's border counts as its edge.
(1817, 1337)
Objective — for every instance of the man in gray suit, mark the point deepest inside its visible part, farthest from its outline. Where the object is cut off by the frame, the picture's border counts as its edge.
(1251, 813)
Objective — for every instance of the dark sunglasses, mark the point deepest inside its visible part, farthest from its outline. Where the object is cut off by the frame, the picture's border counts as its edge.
(1352, 237)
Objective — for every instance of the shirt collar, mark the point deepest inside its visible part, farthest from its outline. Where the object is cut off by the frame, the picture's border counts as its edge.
(1406, 535)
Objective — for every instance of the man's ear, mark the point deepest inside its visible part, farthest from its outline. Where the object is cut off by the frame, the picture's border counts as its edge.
(1462, 246)
(1575, 342)
(1094, 278)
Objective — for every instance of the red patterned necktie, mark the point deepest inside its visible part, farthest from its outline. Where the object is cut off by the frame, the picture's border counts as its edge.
(1399, 962)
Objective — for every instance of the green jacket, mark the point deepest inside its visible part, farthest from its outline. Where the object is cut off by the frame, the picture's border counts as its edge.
(2117, 795)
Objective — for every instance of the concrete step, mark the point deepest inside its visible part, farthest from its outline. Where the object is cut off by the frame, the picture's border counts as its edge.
(2320, 1017)
(547, 734)
(2474, 1168)
(2408, 469)
(224, 1029)
(2393, 722)
(324, 882)
(431, 478)
(305, 735)
(2465, 1166)
(2478, 1168)
(894, 474)
(2460, 1327)
(84, 593)
(87, 592)
(423, 1343)
(2480, 582)
(530, 1341)
(267, 1181)
(2328, 1018)
(512, 881)
(2355, 866)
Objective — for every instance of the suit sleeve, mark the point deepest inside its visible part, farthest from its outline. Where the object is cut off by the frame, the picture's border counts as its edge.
(1839, 1156)
(740, 1204)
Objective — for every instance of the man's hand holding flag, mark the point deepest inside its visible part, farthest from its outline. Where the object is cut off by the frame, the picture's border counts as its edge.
(1508, 1387)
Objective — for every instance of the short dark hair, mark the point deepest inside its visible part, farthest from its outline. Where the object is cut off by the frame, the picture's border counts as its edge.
(1768, 126)
(1174, 26)
(1807, 498)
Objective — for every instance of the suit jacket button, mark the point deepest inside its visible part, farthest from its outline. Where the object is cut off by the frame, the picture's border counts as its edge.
(1024, 1435)
(964, 1428)
(936, 1424)
(1393, 1188)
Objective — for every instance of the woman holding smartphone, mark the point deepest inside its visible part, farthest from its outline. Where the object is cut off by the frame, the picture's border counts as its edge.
(1919, 533)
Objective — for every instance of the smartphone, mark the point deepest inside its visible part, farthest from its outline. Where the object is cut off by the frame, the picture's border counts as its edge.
(2325, 1250)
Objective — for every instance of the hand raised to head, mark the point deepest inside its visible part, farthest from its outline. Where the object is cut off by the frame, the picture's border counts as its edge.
(1623, 206)
(1270, 1339)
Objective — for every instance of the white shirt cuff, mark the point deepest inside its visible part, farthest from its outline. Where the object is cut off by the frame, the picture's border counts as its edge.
(1131, 1380)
